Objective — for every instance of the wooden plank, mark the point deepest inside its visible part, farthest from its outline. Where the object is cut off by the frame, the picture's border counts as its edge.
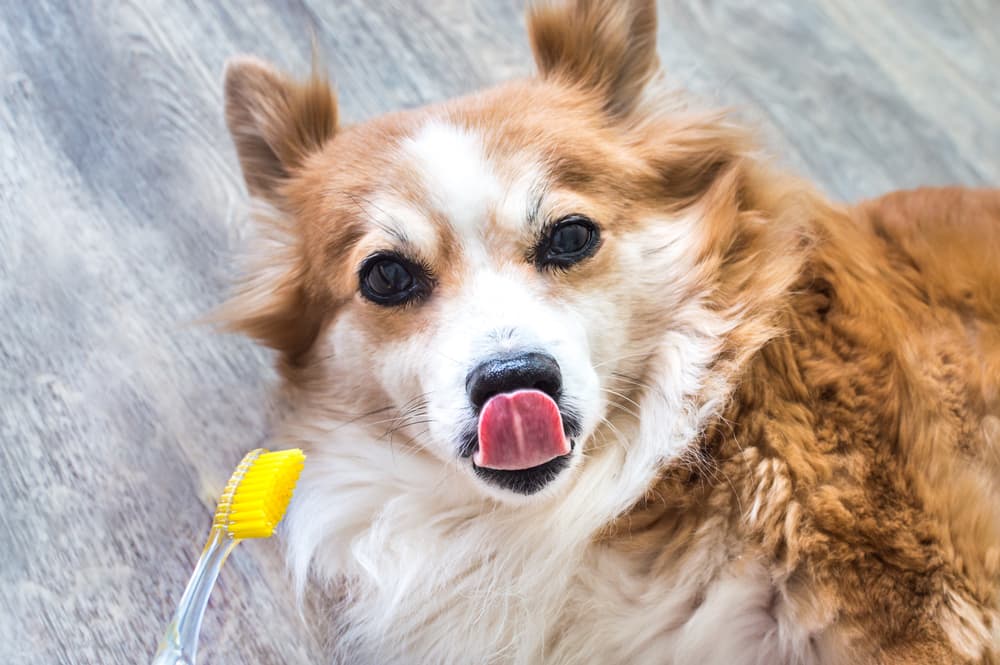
(121, 205)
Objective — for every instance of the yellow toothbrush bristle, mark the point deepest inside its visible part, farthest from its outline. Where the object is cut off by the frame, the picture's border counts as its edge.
(257, 494)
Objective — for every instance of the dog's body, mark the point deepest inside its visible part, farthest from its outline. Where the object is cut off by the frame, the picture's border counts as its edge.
(766, 428)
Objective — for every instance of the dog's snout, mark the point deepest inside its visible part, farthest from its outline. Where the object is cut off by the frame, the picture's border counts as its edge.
(511, 372)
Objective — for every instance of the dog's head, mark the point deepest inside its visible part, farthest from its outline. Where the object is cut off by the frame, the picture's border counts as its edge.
(488, 281)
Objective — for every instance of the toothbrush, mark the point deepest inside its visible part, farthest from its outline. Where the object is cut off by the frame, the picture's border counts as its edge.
(254, 501)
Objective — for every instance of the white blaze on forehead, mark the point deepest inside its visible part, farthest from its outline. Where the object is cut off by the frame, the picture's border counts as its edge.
(459, 180)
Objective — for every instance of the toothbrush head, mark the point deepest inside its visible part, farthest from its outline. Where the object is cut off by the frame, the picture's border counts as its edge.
(257, 494)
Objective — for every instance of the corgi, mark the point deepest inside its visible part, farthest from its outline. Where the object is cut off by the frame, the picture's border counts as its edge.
(583, 379)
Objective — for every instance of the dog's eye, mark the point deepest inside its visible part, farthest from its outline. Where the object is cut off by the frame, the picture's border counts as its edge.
(571, 240)
(389, 279)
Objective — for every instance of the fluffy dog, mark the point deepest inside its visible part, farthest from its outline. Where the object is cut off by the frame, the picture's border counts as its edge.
(582, 379)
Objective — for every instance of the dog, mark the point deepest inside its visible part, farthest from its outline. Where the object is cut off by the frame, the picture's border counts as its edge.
(583, 379)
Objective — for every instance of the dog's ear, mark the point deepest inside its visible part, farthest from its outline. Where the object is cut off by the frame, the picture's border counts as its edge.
(275, 122)
(607, 47)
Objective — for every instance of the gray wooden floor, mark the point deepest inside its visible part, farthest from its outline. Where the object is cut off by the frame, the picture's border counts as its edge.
(121, 205)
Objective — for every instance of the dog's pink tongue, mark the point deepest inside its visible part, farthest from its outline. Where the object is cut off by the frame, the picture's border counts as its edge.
(519, 430)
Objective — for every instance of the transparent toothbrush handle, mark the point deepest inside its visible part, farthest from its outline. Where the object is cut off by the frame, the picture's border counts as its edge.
(180, 641)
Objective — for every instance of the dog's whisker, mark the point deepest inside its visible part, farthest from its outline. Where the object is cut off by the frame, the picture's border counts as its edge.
(622, 357)
(624, 397)
(631, 380)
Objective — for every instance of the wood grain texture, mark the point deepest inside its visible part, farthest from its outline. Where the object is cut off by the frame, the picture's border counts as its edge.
(121, 206)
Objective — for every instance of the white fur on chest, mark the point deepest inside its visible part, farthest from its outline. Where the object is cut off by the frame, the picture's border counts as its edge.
(430, 582)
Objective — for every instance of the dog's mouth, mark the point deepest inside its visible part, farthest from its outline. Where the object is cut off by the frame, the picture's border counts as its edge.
(522, 440)
(525, 481)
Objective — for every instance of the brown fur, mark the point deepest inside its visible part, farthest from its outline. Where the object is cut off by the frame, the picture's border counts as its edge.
(860, 451)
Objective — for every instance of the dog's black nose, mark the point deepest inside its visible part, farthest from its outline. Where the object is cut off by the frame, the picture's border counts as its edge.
(507, 373)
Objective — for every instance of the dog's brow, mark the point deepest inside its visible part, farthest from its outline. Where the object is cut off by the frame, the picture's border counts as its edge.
(535, 205)
(395, 233)
(571, 171)
(394, 230)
